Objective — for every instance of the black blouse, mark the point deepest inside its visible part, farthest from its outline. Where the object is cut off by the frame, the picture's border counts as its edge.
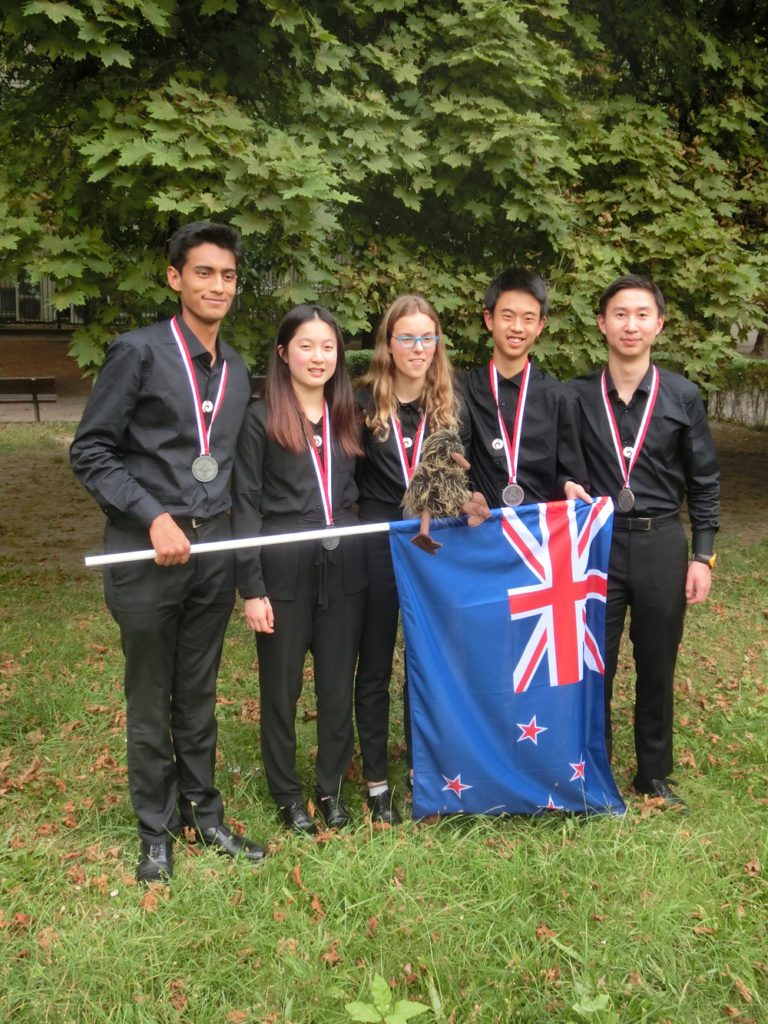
(380, 472)
(275, 491)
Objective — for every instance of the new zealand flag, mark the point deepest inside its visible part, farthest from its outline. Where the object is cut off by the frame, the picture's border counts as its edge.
(504, 631)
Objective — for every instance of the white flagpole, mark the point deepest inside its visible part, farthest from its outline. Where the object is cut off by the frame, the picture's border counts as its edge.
(246, 542)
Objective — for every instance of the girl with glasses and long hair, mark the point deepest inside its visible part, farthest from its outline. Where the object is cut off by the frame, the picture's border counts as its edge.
(406, 395)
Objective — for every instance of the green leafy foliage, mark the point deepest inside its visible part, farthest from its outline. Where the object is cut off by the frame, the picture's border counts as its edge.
(382, 1008)
(366, 148)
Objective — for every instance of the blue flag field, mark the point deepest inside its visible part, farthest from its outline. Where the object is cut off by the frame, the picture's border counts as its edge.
(504, 635)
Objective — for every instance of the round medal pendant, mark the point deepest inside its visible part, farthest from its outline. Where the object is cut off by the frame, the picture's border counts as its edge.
(205, 468)
(407, 442)
(625, 500)
(207, 406)
(331, 543)
(628, 452)
(512, 495)
(497, 444)
(318, 440)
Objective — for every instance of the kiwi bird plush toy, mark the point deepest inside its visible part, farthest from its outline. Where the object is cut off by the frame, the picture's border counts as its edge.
(438, 488)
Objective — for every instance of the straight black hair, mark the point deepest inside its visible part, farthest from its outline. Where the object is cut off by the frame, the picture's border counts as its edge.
(516, 279)
(199, 232)
(632, 281)
(286, 422)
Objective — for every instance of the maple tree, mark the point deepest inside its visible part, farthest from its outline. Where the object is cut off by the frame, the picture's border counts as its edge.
(366, 148)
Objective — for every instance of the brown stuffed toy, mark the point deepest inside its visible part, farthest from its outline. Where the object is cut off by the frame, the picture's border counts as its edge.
(438, 488)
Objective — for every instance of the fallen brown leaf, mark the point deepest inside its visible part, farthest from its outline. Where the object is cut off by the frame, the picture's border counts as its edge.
(742, 989)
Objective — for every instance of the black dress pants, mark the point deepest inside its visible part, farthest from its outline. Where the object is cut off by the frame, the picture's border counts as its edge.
(172, 622)
(646, 574)
(325, 621)
(374, 666)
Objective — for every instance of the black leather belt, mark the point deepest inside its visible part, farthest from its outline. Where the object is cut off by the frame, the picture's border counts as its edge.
(644, 523)
(194, 522)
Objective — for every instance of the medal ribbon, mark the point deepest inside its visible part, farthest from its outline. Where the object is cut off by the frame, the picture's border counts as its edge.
(323, 471)
(624, 468)
(511, 450)
(204, 434)
(408, 465)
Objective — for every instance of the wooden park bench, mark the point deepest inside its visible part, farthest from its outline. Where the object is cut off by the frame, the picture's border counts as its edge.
(28, 389)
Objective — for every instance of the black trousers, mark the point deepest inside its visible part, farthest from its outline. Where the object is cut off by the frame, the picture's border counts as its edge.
(646, 574)
(325, 621)
(374, 665)
(172, 622)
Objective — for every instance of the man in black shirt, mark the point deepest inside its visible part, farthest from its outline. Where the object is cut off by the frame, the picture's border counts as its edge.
(524, 424)
(648, 446)
(155, 448)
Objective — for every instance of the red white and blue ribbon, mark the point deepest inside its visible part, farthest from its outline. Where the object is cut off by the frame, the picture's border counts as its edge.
(626, 465)
(324, 468)
(408, 465)
(511, 448)
(204, 433)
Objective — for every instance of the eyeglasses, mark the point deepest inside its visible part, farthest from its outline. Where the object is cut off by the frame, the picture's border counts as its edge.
(408, 340)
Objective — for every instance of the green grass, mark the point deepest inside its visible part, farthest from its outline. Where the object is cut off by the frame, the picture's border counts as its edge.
(648, 917)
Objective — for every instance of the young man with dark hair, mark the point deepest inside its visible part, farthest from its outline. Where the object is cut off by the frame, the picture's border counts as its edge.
(648, 445)
(525, 441)
(155, 448)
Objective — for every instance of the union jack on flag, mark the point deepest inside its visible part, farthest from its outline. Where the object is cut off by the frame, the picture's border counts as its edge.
(504, 631)
(558, 557)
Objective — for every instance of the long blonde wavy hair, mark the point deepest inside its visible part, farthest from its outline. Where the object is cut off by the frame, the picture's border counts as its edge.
(437, 400)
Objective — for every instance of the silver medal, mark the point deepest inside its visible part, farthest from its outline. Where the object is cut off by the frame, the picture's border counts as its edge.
(331, 543)
(628, 452)
(407, 442)
(625, 500)
(512, 495)
(207, 406)
(497, 444)
(318, 440)
(205, 468)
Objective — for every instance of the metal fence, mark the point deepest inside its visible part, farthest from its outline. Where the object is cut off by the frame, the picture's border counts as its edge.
(22, 302)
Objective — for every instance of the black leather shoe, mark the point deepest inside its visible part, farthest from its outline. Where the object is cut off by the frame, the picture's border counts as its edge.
(383, 809)
(224, 840)
(661, 788)
(155, 862)
(295, 817)
(333, 811)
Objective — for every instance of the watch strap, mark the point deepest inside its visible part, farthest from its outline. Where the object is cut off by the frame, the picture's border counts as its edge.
(706, 560)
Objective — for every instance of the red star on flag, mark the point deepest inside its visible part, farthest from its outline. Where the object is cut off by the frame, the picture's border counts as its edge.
(455, 785)
(578, 770)
(530, 731)
(551, 805)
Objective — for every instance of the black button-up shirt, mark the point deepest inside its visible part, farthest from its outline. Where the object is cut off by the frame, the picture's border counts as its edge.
(550, 453)
(275, 491)
(135, 445)
(380, 472)
(677, 461)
